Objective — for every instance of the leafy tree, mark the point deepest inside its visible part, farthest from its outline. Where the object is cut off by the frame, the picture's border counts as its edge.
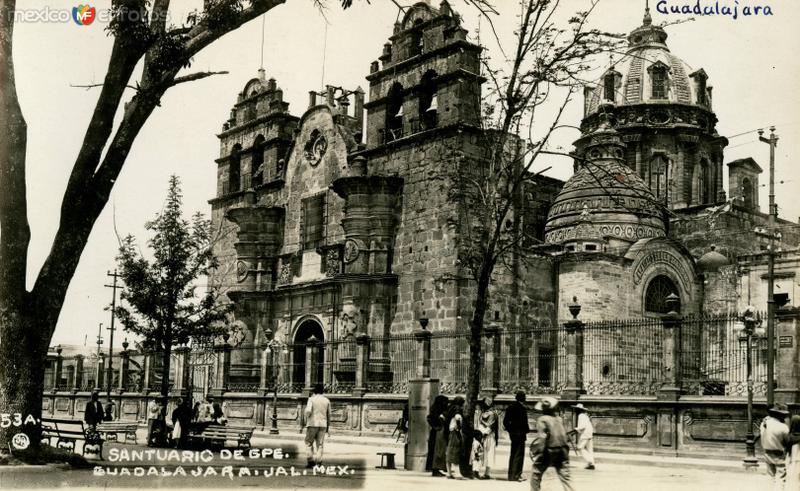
(542, 71)
(141, 37)
(164, 307)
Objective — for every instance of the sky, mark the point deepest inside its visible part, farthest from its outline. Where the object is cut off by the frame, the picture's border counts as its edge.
(749, 62)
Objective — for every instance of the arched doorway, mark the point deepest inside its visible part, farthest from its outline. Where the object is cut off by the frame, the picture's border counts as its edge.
(305, 331)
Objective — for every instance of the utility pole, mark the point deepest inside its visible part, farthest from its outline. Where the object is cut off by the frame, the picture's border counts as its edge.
(772, 141)
(110, 377)
(99, 339)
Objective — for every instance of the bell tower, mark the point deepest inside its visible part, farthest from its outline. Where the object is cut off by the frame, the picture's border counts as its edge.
(428, 77)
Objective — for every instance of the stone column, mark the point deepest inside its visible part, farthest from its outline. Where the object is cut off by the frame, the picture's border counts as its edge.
(787, 358)
(492, 332)
(574, 333)
(78, 373)
(421, 393)
(264, 371)
(362, 364)
(671, 360)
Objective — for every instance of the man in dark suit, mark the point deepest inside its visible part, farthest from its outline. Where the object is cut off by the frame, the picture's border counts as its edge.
(515, 423)
(93, 414)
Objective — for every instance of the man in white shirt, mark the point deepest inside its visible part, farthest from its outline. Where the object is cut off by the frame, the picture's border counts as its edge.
(585, 432)
(318, 416)
(774, 437)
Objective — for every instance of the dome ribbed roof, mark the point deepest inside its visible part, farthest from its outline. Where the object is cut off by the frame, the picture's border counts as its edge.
(647, 49)
(607, 192)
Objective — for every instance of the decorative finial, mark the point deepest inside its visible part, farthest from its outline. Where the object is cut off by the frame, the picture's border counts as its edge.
(647, 19)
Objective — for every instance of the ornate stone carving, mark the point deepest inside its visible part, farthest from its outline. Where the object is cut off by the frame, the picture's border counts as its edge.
(350, 321)
(315, 148)
(242, 269)
(332, 262)
(285, 274)
(351, 250)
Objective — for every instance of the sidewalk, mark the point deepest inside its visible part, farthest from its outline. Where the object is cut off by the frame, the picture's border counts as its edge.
(370, 445)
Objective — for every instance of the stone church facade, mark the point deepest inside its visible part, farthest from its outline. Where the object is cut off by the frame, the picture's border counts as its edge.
(337, 223)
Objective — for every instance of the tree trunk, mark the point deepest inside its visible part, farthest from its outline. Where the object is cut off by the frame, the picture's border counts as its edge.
(474, 370)
(22, 376)
(167, 353)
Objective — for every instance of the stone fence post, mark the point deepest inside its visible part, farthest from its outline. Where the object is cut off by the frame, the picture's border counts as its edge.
(421, 393)
(124, 367)
(671, 351)
(312, 350)
(58, 368)
(574, 331)
(362, 364)
(99, 370)
(78, 380)
(182, 370)
(492, 333)
(223, 368)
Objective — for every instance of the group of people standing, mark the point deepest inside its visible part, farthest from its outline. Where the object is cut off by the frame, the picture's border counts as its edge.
(184, 418)
(550, 448)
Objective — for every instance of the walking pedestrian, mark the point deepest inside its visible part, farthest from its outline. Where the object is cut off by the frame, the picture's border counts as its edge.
(550, 448)
(585, 432)
(774, 440)
(515, 422)
(488, 427)
(454, 438)
(437, 439)
(793, 455)
(317, 417)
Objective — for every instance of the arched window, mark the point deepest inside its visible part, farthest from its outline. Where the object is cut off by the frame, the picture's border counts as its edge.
(658, 81)
(394, 113)
(705, 181)
(655, 297)
(428, 103)
(659, 175)
(416, 42)
(257, 171)
(608, 87)
(747, 192)
(234, 169)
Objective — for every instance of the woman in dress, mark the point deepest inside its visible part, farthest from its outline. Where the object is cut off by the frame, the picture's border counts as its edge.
(793, 454)
(437, 439)
(454, 440)
(488, 427)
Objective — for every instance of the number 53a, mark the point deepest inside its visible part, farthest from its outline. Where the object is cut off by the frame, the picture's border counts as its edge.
(15, 419)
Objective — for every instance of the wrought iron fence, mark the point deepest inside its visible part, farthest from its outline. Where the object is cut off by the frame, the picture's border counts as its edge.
(624, 358)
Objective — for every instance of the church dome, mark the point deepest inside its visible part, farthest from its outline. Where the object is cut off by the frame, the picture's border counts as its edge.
(649, 74)
(619, 204)
(711, 261)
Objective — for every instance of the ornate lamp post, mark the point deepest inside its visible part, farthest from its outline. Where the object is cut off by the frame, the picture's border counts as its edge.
(750, 328)
(272, 348)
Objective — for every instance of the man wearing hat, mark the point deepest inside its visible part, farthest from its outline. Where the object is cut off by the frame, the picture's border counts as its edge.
(585, 432)
(774, 439)
(550, 448)
(515, 423)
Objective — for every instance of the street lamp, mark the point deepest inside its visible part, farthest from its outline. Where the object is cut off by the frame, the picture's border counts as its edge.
(272, 348)
(750, 327)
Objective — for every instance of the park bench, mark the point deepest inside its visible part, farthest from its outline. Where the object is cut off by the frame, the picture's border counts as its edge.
(67, 432)
(217, 435)
(111, 430)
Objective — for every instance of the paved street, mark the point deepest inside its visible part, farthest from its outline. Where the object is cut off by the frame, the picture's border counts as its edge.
(353, 467)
